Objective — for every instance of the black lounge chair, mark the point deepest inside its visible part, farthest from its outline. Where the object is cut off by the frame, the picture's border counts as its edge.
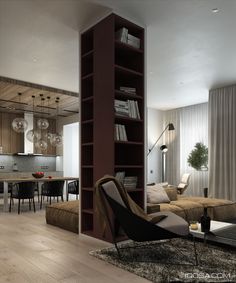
(136, 227)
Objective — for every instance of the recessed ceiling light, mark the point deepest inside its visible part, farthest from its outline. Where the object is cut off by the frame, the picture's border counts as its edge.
(34, 59)
(215, 10)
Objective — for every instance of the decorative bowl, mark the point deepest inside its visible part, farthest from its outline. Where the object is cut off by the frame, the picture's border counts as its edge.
(38, 175)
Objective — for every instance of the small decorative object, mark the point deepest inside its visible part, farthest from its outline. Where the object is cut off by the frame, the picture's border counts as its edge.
(205, 192)
(193, 225)
(205, 222)
(38, 175)
(14, 167)
(198, 157)
(49, 177)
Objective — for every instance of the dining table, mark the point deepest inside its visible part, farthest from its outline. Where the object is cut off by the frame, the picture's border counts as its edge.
(40, 181)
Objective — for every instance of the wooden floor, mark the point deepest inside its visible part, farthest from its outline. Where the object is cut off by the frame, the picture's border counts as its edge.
(32, 251)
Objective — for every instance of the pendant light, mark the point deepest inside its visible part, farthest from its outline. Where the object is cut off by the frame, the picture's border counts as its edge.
(56, 139)
(33, 135)
(41, 143)
(48, 135)
(42, 123)
(19, 125)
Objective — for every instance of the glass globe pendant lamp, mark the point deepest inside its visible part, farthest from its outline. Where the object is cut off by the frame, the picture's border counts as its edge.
(19, 125)
(56, 140)
(42, 124)
(41, 144)
(33, 135)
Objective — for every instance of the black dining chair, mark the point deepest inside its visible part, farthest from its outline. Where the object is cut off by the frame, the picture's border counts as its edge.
(22, 191)
(73, 188)
(52, 189)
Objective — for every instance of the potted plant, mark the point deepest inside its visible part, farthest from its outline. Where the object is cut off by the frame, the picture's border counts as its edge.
(198, 157)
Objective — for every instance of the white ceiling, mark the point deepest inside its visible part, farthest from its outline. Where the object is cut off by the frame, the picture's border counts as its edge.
(189, 49)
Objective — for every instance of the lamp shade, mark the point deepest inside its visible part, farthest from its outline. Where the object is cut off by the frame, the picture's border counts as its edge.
(171, 127)
(164, 148)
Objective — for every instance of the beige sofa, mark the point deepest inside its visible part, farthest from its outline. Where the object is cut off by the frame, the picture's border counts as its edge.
(191, 208)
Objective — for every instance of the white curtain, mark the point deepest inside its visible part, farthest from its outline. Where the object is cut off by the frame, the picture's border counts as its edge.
(191, 126)
(222, 137)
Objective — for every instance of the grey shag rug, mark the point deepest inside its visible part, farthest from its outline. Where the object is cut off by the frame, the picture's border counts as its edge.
(174, 261)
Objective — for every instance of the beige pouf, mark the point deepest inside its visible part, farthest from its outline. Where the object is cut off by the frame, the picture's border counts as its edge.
(64, 215)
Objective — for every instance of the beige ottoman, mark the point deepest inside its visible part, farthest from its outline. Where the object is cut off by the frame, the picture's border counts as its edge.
(64, 215)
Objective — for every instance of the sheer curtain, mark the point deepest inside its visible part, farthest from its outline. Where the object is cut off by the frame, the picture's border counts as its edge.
(222, 137)
(191, 126)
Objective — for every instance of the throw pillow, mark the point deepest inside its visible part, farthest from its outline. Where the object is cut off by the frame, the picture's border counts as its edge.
(157, 194)
(172, 193)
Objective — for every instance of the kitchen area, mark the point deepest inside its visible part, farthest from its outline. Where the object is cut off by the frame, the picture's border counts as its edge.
(50, 141)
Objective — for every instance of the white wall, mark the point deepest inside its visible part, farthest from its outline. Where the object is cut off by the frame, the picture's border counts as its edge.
(71, 150)
(154, 129)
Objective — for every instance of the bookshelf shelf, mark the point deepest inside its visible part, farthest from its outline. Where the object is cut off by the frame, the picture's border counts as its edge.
(88, 99)
(89, 211)
(127, 71)
(87, 144)
(88, 76)
(112, 74)
(127, 166)
(87, 121)
(88, 189)
(89, 53)
(125, 95)
(127, 119)
(126, 46)
(128, 143)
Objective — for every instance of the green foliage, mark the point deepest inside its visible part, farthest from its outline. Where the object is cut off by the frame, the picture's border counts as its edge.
(198, 157)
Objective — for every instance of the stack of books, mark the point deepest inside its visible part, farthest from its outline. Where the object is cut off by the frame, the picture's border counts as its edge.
(124, 36)
(120, 176)
(130, 182)
(131, 90)
(120, 133)
(127, 108)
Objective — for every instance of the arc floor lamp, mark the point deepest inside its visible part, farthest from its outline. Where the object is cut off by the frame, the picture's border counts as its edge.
(170, 127)
(163, 149)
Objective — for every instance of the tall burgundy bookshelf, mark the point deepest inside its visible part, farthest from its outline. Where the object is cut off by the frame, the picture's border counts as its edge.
(106, 65)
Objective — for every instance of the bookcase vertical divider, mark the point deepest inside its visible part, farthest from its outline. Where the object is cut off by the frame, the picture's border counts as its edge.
(109, 70)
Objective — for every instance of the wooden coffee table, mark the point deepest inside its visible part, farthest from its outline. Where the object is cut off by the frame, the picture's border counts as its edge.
(220, 232)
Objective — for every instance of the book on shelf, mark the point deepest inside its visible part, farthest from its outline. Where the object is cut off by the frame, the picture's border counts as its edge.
(120, 175)
(120, 133)
(130, 182)
(127, 108)
(131, 90)
(133, 40)
(124, 36)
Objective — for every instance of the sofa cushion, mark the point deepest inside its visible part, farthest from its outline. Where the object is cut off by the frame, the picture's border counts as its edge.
(64, 215)
(173, 208)
(172, 193)
(157, 194)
